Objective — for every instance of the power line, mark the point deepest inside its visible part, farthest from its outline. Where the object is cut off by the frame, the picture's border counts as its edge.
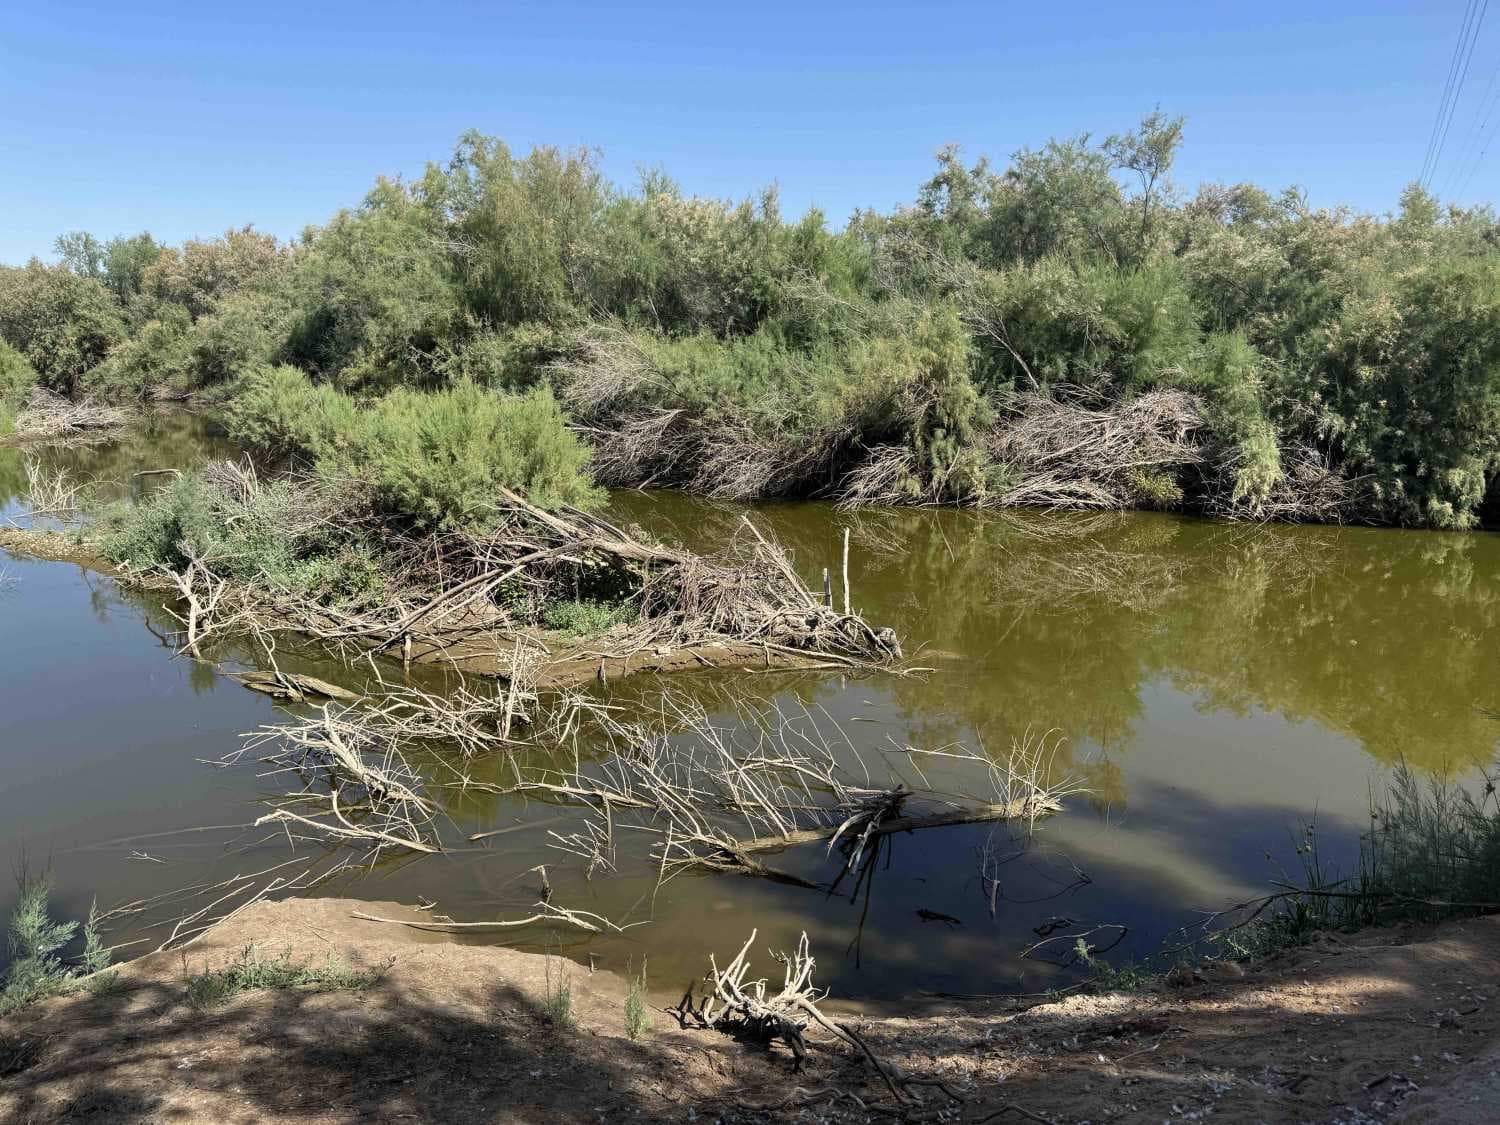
(1476, 130)
(1484, 150)
(1448, 90)
(1457, 92)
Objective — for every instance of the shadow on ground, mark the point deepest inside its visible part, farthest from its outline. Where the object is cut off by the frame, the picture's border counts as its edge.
(1383, 1026)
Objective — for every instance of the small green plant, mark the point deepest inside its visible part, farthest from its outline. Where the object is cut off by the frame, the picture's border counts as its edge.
(587, 618)
(637, 1014)
(250, 971)
(1127, 976)
(558, 1003)
(1432, 851)
(35, 940)
(96, 957)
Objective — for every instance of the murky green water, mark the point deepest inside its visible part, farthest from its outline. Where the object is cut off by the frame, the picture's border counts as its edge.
(1214, 685)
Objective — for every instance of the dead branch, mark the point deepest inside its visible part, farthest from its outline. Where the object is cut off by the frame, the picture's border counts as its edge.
(353, 771)
(740, 1006)
(547, 912)
(50, 417)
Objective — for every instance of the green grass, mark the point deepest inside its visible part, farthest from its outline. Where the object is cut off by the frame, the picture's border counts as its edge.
(637, 1013)
(587, 618)
(558, 1002)
(1432, 852)
(250, 972)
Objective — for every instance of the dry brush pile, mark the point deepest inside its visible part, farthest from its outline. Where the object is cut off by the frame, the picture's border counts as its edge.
(310, 555)
(49, 417)
(1067, 448)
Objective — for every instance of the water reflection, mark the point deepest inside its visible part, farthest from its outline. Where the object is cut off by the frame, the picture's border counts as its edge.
(162, 439)
(1065, 622)
(1213, 685)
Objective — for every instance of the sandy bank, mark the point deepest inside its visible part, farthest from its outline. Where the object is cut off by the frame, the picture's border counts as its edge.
(1382, 1026)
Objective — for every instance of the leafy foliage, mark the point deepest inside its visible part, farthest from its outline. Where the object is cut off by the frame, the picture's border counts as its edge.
(35, 943)
(587, 618)
(257, 538)
(1319, 345)
(17, 377)
(63, 324)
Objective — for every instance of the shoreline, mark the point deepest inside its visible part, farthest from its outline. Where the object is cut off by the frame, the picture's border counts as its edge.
(570, 664)
(1399, 1025)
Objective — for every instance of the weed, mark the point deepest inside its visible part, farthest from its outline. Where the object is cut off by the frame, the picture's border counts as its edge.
(637, 1014)
(1127, 976)
(587, 618)
(250, 972)
(558, 1004)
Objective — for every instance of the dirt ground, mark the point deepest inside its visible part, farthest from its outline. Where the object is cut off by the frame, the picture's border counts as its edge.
(1384, 1026)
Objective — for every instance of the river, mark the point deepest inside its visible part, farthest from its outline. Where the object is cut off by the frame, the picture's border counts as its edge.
(1215, 687)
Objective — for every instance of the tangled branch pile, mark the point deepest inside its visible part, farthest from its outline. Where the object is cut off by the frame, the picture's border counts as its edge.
(356, 784)
(1066, 454)
(47, 416)
(716, 797)
(314, 555)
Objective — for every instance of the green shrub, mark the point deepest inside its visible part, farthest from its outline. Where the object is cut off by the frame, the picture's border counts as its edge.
(278, 410)
(440, 459)
(61, 323)
(36, 970)
(267, 538)
(373, 297)
(157, 357)
(587, 618)
(637, 1013)
(17, 376)
(433, 459)
(513, 360)
(244, 332)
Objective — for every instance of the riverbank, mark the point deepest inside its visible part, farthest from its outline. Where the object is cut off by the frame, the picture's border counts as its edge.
(553, 660)
(1385, 1025)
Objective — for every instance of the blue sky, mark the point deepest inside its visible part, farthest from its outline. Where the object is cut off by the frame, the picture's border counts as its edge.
(183, 119)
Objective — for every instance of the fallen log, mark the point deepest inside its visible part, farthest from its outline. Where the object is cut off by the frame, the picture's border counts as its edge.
(294, 686)
(1026, 808)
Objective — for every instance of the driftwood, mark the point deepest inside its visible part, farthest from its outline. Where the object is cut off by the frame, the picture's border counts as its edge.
(738, 1005)
(547, 912)
(295, 687)
(356, 785)
(979, 814)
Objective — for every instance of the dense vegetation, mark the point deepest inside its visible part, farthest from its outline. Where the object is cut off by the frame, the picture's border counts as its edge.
(1069, 329)
(16, 381)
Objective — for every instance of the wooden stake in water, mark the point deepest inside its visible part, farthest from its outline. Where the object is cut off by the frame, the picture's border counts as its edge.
(827, 589)
(846, 573)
